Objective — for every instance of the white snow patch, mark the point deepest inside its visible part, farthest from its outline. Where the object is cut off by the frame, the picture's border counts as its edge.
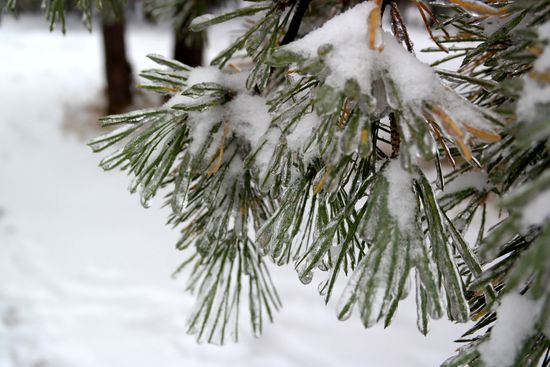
(249, 116)
(246, 116)
(401, 199)
(200, 125)
(517, 316)
(537, 211)
(303, 130)
(468, 180)
(533, 94)
(208, 74)
(265, 154)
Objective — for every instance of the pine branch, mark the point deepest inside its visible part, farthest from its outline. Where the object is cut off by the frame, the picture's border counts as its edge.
(300, 158)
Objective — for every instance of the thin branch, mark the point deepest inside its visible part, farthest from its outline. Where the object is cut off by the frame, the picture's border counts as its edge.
(296, 21)
(399, 28)
(421, 9)
(394, 136)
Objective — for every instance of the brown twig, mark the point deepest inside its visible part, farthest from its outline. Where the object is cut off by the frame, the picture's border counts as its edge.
(399, 28)
(434, 18)
(441, 140)
(421, 9)
(395, 137)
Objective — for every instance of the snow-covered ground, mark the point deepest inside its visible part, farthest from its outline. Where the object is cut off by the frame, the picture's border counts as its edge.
(85, 271)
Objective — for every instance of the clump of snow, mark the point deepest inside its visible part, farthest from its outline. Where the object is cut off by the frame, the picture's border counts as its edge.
(235, 169)
(209, 74)
(415, 80)
(347, 59)
(543, 62)
(200, 125)
(517, 316)
(468, 180)
(303, 130)
(249, 116)
(246, 116)
(352, 59)
(533, 203)
(537, 211)
(401, 199)
(264, 155)
(536, 92)
(533, 94)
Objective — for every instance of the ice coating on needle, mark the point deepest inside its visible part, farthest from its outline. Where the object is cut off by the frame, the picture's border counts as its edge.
(303, 130)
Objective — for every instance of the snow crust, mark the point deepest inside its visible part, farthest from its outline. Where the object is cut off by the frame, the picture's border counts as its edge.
(401, 199)
(517, 316)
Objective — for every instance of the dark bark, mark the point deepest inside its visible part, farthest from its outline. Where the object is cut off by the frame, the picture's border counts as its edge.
(117, 68)
(188, 45)
(189, 48)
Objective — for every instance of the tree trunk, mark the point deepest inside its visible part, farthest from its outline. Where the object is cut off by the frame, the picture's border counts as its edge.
(189, 47)
(117, 68)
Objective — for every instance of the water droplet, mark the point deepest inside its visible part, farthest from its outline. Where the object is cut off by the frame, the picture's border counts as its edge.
(146, 200)
(306, 278)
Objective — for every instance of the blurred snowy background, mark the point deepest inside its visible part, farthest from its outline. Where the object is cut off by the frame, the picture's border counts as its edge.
(85, 271)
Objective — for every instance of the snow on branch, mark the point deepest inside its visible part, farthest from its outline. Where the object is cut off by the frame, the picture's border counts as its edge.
(388, 76)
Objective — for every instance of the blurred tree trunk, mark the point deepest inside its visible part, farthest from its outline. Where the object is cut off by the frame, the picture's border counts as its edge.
(117, 68)
(189, 47)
